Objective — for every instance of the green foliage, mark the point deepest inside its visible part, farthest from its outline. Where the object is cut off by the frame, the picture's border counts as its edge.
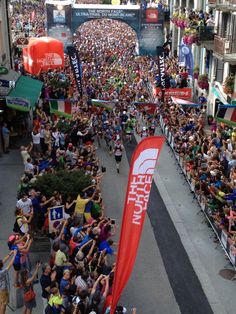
(67, 183)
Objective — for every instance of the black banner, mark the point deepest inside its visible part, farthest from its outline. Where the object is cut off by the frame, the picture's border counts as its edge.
(162, 74)
(76, 67)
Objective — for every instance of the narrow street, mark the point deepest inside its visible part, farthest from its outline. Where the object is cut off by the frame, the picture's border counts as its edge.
(176, 250)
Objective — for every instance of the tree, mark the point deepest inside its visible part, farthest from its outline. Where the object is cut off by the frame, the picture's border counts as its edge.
(67, 183)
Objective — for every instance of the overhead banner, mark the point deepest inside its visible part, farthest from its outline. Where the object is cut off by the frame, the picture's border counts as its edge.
(18, 103)
(182, 93)
(128, 14)
(76, 67)
(138, 190)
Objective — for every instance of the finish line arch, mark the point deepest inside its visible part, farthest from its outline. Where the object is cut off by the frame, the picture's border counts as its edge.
(64, 18)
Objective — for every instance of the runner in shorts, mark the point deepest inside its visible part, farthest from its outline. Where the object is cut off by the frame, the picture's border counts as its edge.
(118, 150)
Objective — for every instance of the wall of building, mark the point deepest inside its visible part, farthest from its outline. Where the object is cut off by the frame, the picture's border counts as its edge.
(4, 36)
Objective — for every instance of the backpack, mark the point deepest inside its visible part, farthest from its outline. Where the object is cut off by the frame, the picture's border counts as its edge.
(16, 227)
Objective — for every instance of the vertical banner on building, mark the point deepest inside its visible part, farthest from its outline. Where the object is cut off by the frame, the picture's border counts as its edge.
(162, 75)
(76, 67)
(138, 190)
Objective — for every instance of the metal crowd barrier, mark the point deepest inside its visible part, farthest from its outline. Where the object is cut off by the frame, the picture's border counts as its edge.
(201, 199)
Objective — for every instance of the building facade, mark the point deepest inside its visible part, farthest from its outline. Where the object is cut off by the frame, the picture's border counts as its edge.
(215, 51)
(5, 43)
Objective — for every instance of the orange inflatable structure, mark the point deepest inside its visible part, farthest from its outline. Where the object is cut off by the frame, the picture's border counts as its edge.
(43, 54)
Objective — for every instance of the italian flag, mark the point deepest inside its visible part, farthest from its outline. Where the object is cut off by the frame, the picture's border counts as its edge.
(227, 114)
(61, 107)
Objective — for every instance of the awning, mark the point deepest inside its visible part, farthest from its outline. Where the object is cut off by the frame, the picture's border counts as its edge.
(28, 90)
(227, 114)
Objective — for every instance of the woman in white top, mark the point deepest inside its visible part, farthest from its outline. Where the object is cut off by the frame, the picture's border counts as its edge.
(36, 143)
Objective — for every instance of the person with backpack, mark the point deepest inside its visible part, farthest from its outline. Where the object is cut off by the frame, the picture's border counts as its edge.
(21, 224)
(118, 151)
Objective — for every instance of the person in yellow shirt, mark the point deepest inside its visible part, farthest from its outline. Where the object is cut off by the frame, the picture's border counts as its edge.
(55, 301)
(81, 203)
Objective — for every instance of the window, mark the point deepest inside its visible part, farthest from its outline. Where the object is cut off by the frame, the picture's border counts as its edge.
(219, 70)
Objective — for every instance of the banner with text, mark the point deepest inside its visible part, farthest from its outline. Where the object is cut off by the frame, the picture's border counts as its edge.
(76, 67)
(183, 93)
(138, 190)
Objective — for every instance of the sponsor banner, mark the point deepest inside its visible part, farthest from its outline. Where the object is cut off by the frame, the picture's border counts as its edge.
(59, 16)
(3, 70)
(151, 37)
(22, 42)
(56, 215)
(183, 93)
(151, 15)
(5, 83)
(148, 107)
(76, 67)
(18, 103)
(139, 185)
(59, 22)
(103, 103)
(162, 74)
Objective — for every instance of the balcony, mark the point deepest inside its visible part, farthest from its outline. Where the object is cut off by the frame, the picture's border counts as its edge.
(207, 33)
(225, 48)
(226, 5)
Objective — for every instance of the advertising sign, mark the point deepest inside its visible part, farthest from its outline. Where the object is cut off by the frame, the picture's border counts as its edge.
(18, 103)
(138, 190)
(76, 67)
(59, 16)
(56, 215)
(22, 42)
(130, 16)
(3, 70)
(151, 31)
(5, 83)
(182, 93)
(59, 23)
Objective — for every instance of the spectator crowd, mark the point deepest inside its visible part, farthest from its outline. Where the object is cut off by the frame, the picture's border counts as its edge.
(208, 157)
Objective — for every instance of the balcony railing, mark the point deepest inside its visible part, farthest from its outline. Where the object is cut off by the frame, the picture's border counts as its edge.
(207, 33)
(224, 46)
(228, 4)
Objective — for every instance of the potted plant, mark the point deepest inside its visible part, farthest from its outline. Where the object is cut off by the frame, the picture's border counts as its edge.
(228, 86)
(203, 81)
